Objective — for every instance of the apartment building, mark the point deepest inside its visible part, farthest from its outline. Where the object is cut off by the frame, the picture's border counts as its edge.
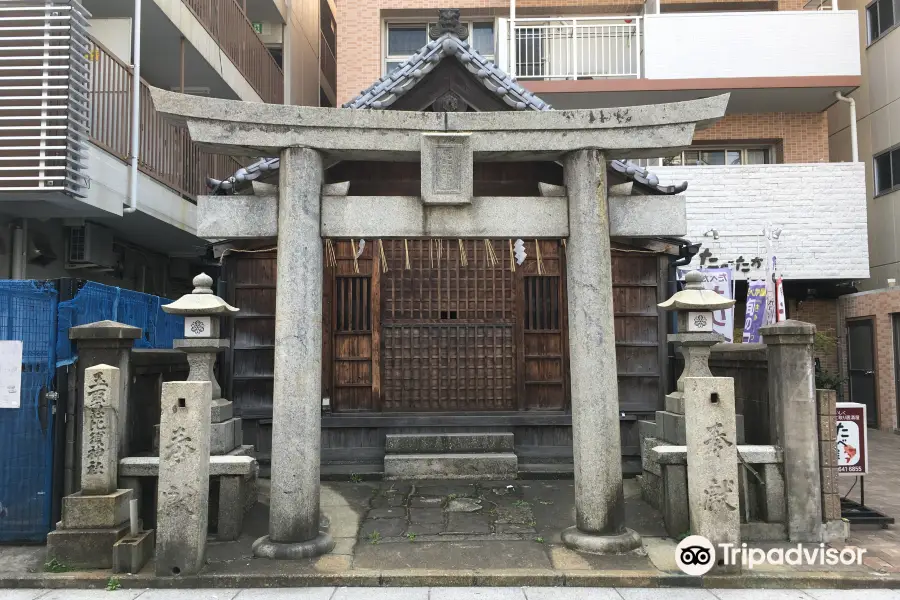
(72, 202)
(869, 321)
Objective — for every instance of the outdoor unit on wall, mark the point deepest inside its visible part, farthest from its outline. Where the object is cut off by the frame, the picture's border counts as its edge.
(90, 245)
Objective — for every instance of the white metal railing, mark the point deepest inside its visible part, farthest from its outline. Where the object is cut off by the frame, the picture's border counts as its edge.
(44, 116)
(576, 48)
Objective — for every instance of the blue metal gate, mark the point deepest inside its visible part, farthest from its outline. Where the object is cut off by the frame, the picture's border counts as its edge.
(28, 313)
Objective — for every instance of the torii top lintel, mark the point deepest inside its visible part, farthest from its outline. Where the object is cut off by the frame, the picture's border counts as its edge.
(257, 129)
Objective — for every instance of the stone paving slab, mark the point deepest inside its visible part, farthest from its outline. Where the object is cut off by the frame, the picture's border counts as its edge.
(432, 593)
(452, 555)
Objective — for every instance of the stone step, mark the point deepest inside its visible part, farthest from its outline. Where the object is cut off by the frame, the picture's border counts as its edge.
(442, 443)
(485, 465)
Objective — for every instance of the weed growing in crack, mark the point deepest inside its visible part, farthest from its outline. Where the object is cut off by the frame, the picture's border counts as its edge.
(411, 537)
(112, 584)
(54, 566)
(355, 478)
(539, 540)
(520, 504)
(374, 537)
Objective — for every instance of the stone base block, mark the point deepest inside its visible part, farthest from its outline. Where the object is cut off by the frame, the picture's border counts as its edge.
(763, 532)
(675, 403)
(84, 548)
(835, 531)
(670, 428)
(266, 548)
(130, 554)
(674, 505)
(225, 436)
(592, 543)
(246, 450)
(95, 512)
(459, 443)
(222, 410)
(494, 465)
(651, 492)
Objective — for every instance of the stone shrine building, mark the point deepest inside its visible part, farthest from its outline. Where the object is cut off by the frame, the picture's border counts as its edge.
(453, 256)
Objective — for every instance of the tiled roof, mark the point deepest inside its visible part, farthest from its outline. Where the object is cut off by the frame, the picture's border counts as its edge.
(642, 176)
(389, 88)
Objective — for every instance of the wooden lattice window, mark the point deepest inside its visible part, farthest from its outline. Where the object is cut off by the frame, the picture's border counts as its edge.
(542, 303)
(353, 304)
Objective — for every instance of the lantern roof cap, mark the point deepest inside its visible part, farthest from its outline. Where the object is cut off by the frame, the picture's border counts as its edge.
(201, 301)
(694, 297)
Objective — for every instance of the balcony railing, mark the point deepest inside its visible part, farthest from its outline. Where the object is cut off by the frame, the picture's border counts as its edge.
(227, 23)
(166, 151)
(577, 48)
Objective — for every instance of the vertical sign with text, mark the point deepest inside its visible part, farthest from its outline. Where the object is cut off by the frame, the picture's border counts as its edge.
(11, 374)
(852, 441)
(755, 316)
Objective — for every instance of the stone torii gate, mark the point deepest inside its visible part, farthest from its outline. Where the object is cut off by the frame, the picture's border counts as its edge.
(446, 145)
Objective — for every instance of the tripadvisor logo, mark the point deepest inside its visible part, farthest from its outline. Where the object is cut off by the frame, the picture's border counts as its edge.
(695, 555)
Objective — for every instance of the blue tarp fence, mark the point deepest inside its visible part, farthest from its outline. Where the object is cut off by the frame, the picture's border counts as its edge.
(98, 302)
(27, 314)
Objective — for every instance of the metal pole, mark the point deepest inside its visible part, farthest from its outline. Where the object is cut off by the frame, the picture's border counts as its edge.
(135, 109)
(512, 39)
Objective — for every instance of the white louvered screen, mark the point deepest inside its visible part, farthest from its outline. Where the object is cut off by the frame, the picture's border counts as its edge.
(44, 101)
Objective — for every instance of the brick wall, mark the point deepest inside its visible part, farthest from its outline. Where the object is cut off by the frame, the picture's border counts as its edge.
(821, 312)
(821, 209)
(802, 137)
(879, 306)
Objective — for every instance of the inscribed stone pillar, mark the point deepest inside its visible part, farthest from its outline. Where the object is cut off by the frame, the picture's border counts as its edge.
(599, 499)
(297, 397)
(712, 460)
(95, 518)
(110, 343)
(183, 495)
(99, 440)
(792, 395)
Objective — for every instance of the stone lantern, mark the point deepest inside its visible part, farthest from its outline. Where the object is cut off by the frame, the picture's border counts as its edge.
(694, 306)
(202, 311)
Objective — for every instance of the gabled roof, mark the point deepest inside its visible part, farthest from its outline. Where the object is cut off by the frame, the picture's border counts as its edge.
(392, 86)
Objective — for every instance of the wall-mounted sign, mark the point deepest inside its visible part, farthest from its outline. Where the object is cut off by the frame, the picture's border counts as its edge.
(852, 442)
(258, 28)
(11, 374)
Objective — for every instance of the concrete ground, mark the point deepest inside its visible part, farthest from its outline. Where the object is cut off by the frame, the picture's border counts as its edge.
(459, 533)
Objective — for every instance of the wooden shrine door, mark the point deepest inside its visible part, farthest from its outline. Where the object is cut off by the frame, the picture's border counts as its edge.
(449, 326)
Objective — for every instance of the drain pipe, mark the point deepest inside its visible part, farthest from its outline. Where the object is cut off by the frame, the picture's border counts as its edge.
(854, 144)
(135, 109)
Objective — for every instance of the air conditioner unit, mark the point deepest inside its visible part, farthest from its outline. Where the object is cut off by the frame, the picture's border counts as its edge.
(91, 246)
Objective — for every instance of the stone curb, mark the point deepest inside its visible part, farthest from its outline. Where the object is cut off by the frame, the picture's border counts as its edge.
(460, 578)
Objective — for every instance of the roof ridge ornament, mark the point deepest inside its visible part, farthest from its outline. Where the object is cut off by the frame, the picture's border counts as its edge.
(448, 22)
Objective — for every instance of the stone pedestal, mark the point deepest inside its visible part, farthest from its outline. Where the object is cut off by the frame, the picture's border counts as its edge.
(226, 432)
(297, 398)
(182, 519)
(96, 517)
(793, 399)
(599, 499)
(109, 343)
(712, 471)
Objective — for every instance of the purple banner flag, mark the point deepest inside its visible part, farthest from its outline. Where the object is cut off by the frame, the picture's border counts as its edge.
(756, 311)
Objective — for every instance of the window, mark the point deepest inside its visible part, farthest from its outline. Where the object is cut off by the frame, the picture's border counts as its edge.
(880, 18)
(405, 39)
(723, 156)
(887, 171)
